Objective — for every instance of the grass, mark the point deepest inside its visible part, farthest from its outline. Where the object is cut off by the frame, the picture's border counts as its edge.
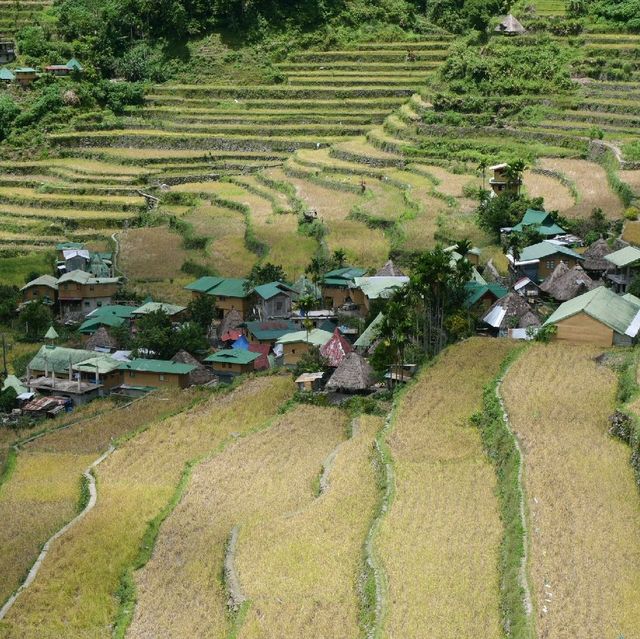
(73, 595)
(267, 480)
(445, 512)
(583, 504)
(557, 197)
(631, 233)
(16, 269)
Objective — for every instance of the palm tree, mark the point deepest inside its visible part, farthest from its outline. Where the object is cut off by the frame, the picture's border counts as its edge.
(464, 246)
(514, 173)
(482, 166)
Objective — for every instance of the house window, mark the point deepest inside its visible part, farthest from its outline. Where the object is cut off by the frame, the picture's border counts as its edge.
(161, 378)
(92, 287)
(99, 303)
(132, 374)
(293, 351)
(278, 306)
(87, 303)
(551, 265)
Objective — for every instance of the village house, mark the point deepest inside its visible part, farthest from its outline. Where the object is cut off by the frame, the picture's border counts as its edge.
(295, 345)
(472, 255)
(527, 288)
(481, 296)
(310, 382)
(368, 340)
(540, 222)
(100, 369)
(7, 51)
(365, 290)
(80, 292)
(269, 332)
(565, 283)
(110, 316)
(200, 375)
(175, 312)
(598, 317)
(353, 375)
(624, 266)
(230, 294)
(231, 362)
(336, 349)
(272, 300)
(25, 76)
(510, 313)
(62, 70)
(595, 263)
(538, 261)
(43, 288)
(155, 373)
(6, 77)
(336, 286)
(502, 181)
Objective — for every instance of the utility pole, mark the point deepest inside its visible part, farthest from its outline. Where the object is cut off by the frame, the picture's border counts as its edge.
(5, 371)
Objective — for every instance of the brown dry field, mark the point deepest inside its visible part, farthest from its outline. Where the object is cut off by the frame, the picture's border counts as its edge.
(301, 571)
(584, 508)
(591, 182)
(151, 253)
(557, 197)
(632, 178)
(73, 596)
(253, 484)
(631, 233)
(440, 540)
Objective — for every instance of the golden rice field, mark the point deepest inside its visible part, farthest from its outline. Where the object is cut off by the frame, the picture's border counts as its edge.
(43, 491)
(584, 507)
(297, 556)
(557, 197)
(440, 539)
(73, 594)
(592, 185)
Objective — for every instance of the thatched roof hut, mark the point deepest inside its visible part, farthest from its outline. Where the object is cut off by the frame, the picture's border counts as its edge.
(565, 283)
(354, 375)
(594, 256)
(389, 270)
(200, 374)
(232, 320)
(512, 311)
(101, 339)
(510, 26)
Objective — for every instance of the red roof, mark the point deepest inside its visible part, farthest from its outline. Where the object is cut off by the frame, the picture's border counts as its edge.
(262, 363)
(232, 335)
(336, 349)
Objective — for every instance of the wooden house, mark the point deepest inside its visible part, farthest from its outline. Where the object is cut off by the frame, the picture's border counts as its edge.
(599, 317)
(43, 288)
(61, 247)
(481, 296)
(295, 345)
(110, 316)
(365, 290)
(175, 312)
(272, 300)
(231, 362)
(230, 294)
(7, 51)
(624, 265)
(565, 283)
(25, 76)
(502, 182)
(269, 332)
(538, 261)
(155, 373)
(100, 369)
(80, 293)
(336, 286)
(310, 382)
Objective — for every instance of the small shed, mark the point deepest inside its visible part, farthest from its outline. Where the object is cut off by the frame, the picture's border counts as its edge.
(566, 283)
(101, 339)
(310, 382)
(527, 288)
(512, 311)
(510, 25)
(354, 375)
(624, 265)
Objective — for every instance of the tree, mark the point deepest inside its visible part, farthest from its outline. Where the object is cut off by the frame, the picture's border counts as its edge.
(317, 268)
(8, 400)
(9, 111)
(311, 362)
(264, 274)
(9, 297)
(202, 310)
(482, 167)
(34, 320)
(189, 337)
(339, 258)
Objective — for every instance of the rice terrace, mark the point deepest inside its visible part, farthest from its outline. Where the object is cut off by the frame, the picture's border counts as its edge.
(320, 319)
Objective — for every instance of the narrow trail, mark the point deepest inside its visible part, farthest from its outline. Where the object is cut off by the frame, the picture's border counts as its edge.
(33, 573)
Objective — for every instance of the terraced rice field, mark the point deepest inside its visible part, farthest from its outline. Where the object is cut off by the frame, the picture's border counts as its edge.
(583, 504)
(445, 511)
(73, 595)
(287, 535)
(15, 15)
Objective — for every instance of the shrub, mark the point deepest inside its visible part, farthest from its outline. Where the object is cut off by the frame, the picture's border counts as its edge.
(632, 213)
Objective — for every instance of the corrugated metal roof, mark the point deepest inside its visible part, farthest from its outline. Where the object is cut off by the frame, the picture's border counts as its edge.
(380, 287)
(82, 277)
(156, 366)
(336, 349)
(366, 339)
(204, 284)
(601, 304)
(545, 249)
(152, 307)
(271, 330)
(102, 363)
(316, 337)
(58, 358)
(233, 356)
(624, 257)
(267, 291)
(43, 280)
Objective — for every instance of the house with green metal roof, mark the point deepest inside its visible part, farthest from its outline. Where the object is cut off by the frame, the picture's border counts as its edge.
(110, 316)
(599, 317)
(538, 261)
(272, 300)
(295, 345)
(80, 292)
(232, 362)
(174, 311)
(369, 335)
(155, 373)
(269, 331)
(336, 285)
(6, 75)
(624, 267)
(25, 75)
(539, 221)
(364, 290)
(43, 288)
(231, 294)
(56, 359)
(481, 296)
(100, 369)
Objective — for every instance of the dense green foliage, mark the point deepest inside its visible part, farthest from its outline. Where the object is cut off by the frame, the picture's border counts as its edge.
(158, 337)
(35, 319)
